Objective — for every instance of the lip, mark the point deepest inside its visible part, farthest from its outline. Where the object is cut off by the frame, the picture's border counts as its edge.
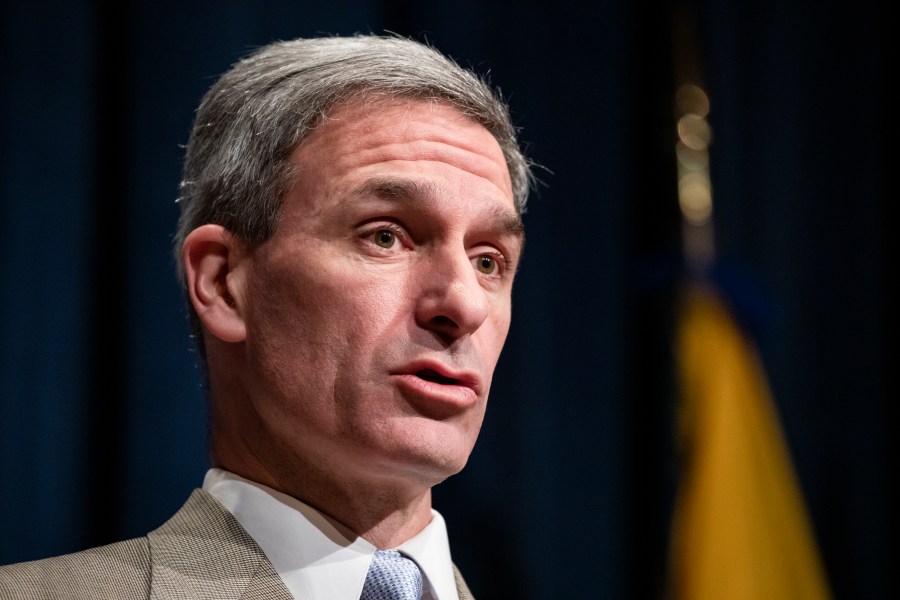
(441, 388)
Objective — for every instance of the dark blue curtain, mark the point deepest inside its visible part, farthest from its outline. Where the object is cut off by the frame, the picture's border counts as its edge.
(568, 492)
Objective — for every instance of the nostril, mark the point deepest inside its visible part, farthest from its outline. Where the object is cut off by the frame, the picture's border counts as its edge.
(443, 321)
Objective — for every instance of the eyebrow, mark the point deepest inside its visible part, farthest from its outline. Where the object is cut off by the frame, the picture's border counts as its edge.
(507, 221)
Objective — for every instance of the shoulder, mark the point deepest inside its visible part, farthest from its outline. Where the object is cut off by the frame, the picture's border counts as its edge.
(201, 552)
(122, 568)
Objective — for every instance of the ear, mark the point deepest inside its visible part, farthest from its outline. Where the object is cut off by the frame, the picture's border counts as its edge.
(210, 256)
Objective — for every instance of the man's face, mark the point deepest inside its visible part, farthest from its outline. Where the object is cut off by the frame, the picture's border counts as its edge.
(376, 313)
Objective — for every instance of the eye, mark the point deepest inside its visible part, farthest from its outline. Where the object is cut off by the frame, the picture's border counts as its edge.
(384, 238)
(485, 263)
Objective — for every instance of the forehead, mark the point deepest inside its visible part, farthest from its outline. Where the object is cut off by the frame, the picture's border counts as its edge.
(407, 134)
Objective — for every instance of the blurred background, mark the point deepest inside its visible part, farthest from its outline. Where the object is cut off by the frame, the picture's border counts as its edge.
(571, 487)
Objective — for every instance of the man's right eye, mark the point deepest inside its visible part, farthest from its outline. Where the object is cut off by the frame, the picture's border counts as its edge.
(385, 238)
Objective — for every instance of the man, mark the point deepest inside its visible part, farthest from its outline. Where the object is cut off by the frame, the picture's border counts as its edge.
(350, 231)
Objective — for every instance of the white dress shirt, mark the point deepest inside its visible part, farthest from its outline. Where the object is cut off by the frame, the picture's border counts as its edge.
(316, 556)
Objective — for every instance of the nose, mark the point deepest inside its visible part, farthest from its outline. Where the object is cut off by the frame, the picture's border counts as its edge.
(452, 302)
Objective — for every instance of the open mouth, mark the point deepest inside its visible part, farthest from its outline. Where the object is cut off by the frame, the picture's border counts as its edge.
(437, 391)
(434, 376)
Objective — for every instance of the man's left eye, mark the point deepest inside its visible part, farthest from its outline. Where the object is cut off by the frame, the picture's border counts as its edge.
(486, 264)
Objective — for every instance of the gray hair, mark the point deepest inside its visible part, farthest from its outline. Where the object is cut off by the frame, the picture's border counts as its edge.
(236, 167)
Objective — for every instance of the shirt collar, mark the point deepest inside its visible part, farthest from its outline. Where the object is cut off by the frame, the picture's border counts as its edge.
(316, 556)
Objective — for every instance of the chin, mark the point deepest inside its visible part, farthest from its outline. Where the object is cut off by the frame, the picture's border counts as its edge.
(448, 464)
(429, 465)
(421, 450)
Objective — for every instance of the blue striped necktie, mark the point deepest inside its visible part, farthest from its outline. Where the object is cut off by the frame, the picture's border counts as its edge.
(392, 576)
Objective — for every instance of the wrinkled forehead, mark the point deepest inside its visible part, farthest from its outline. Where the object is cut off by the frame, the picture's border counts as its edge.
(405, 128)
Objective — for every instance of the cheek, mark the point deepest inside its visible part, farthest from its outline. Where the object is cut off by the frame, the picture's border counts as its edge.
(496, 329)
(290, 329)
(308, 318)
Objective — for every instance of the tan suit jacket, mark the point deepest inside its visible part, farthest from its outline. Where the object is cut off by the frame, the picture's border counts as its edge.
(202, 552)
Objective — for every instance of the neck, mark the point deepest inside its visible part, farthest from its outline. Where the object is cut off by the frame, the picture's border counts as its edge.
(385, 513)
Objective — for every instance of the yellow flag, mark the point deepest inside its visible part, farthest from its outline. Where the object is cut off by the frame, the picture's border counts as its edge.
(740, 529)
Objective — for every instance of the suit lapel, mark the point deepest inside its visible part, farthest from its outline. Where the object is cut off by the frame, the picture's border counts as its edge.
(202, 552)
(461, 587)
